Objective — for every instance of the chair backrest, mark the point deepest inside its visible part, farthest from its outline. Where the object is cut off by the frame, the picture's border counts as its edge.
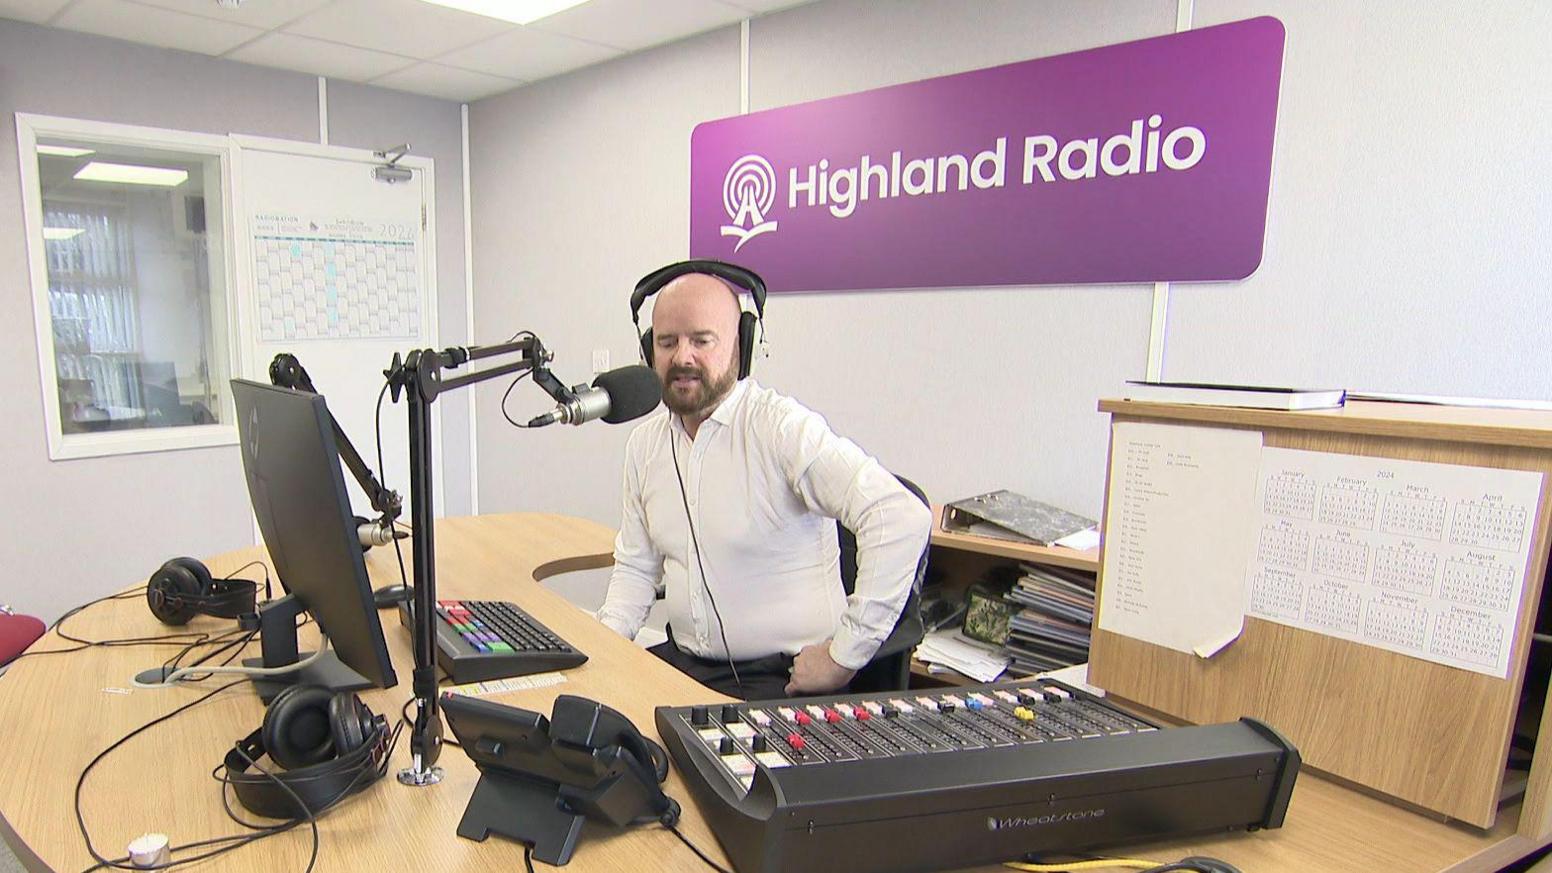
(890, 668)
(17, 632)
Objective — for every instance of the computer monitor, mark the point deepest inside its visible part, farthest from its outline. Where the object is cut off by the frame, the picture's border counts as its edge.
(298, 493)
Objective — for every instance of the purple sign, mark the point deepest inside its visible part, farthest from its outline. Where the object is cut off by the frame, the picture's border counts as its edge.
(1141, 162)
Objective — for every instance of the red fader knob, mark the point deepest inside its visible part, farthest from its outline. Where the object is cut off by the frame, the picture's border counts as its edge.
(796, 741)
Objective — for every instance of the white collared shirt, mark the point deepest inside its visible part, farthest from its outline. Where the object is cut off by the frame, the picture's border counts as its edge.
(764, 481)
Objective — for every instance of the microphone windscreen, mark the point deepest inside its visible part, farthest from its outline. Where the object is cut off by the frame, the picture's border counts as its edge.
(633, 392)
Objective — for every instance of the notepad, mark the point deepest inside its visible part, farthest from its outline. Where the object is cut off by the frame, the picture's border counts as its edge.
(1253, 396)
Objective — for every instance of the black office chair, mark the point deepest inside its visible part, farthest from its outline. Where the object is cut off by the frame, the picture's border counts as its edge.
(890, 669)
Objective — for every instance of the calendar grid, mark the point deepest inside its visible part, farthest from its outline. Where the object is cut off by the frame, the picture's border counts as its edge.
(329, 288)
(1419, 558)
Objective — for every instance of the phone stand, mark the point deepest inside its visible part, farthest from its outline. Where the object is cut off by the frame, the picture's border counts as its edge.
(539, 789)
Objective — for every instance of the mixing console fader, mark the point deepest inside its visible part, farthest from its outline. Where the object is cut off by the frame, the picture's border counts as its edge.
(927, 780)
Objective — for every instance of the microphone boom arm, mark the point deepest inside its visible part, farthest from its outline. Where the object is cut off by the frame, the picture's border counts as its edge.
(419, 376)
(286, 371)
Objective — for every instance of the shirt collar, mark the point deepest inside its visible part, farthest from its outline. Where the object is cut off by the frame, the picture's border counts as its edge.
(724, 412)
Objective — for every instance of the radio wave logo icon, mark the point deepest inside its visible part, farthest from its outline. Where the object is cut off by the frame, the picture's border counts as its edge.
(748, 192)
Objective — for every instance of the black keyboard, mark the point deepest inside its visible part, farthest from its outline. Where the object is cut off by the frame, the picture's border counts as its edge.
(478, 640)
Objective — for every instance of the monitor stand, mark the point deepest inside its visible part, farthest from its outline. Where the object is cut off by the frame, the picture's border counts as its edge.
(277, 639)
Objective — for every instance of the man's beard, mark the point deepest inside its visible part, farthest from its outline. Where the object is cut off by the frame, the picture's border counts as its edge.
(702, 397)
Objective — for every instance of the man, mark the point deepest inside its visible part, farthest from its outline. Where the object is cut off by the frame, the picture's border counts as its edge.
(730, 502)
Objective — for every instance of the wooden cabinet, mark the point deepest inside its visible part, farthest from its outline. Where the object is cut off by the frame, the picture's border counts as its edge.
(1431, 735)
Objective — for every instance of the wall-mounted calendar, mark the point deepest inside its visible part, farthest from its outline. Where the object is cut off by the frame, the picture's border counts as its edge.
(1423, 559)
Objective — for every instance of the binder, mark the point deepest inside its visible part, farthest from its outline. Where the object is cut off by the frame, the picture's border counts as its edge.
(1010, 515)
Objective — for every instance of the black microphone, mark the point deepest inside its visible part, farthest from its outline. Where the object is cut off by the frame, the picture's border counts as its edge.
(618, 395)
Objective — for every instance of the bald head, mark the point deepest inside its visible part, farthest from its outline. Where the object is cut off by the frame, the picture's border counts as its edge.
(704, 296)
(695, 343)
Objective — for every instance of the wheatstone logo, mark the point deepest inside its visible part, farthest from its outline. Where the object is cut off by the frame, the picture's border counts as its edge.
(1029, 821)
(748, 191)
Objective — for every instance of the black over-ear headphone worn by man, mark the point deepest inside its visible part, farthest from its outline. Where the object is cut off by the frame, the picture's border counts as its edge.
(330, 745)
(741, 278)
(183, 588)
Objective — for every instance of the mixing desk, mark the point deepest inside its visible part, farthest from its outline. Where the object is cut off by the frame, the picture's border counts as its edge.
(918, 780)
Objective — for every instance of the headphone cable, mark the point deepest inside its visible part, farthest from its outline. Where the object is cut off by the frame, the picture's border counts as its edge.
(176, 639)
(312, 817)
(684, 498)
(237, 841)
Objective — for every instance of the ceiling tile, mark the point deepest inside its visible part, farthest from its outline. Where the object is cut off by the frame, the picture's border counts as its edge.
(267, 14)
(449, 83)
(320, 58)
(631, 24)
(525, 53)
(405, 27)
(152, 26)
(35, 11)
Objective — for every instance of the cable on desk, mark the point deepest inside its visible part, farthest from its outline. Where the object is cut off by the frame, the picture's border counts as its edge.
(180, 676)
(190, 638)
(312, 818)
(1191, 864)
(696, 849)
(236, 842)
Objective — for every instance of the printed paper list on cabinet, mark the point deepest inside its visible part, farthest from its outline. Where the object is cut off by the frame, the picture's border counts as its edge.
(1175, 551)
(1423, 559)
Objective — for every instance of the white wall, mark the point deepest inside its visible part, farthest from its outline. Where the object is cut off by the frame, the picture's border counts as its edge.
(1407, 238)
(1410, 223)
(74, 530)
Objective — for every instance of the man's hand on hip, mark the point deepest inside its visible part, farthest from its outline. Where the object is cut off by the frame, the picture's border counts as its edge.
(815, 672)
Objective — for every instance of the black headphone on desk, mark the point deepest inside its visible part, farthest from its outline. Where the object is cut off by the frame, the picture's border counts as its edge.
(329, 743)
(183, 588)
(738, 277)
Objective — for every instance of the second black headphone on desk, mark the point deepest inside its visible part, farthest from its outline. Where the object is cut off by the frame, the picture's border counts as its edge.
(183, 588)
(330, 745)
(739, 277)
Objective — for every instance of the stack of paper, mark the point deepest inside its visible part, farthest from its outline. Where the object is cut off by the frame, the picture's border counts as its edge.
(1077, 676)
(1053, 628)
(953, 649)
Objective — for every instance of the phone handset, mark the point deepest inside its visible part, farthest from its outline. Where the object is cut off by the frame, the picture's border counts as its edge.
(579, 724)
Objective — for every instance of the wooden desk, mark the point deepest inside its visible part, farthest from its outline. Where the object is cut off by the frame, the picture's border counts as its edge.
(57, 712)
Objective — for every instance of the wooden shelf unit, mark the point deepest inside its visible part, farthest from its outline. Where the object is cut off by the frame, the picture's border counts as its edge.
(1428, 735)
(963, 558)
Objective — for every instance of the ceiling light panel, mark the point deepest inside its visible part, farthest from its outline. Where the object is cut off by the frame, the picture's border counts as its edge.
(64, 151)
(132, 174)
(515, 11)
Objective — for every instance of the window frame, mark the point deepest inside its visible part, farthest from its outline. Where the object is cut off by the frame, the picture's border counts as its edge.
(62, 446)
